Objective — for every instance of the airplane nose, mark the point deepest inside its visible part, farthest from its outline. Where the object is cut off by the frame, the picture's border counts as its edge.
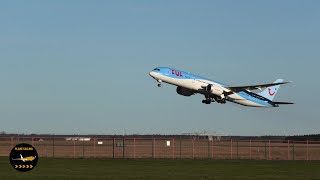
(151, 74)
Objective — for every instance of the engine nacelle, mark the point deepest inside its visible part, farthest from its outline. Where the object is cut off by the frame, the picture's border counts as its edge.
(214, 89)
(184, 91)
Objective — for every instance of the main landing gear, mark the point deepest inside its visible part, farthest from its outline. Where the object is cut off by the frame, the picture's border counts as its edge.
(208, 100)
(222, 101)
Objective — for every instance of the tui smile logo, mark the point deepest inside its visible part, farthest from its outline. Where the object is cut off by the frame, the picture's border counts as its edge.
(270, 93)
(23, 157)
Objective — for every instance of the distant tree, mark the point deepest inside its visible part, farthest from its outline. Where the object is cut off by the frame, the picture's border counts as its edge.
(3, 133)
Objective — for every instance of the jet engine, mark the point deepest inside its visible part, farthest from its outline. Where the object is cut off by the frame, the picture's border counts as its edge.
(214, 89)
(184, 91)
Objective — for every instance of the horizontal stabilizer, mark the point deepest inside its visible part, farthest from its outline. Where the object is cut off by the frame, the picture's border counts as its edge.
(283, 103)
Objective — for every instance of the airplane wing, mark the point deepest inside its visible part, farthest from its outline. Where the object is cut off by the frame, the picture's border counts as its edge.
(253, 87)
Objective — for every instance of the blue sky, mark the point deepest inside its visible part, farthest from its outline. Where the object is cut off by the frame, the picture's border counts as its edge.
(79, 67)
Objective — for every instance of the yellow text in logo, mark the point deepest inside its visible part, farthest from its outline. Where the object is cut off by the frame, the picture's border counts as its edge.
(23, 148)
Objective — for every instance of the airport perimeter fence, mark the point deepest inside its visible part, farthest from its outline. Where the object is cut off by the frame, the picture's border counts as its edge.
(168, 148)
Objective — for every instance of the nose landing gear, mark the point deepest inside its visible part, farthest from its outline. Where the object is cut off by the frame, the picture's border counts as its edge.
(159, 82)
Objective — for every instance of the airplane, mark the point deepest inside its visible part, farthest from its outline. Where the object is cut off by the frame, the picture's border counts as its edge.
(213, 91)
(24, 159)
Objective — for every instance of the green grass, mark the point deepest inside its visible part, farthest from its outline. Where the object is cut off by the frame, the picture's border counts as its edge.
(162, 169)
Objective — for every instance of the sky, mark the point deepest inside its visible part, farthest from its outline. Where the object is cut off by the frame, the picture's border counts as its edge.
(81, 67)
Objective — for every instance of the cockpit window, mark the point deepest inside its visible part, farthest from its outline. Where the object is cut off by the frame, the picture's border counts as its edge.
(156, 69)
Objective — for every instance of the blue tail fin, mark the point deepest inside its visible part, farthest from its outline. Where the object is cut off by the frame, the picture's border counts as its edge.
(270, 92)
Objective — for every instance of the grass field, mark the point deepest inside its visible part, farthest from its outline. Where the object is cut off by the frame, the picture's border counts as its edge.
(163, 169)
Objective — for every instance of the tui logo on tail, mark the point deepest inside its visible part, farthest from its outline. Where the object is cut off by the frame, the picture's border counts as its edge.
(270, 93)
